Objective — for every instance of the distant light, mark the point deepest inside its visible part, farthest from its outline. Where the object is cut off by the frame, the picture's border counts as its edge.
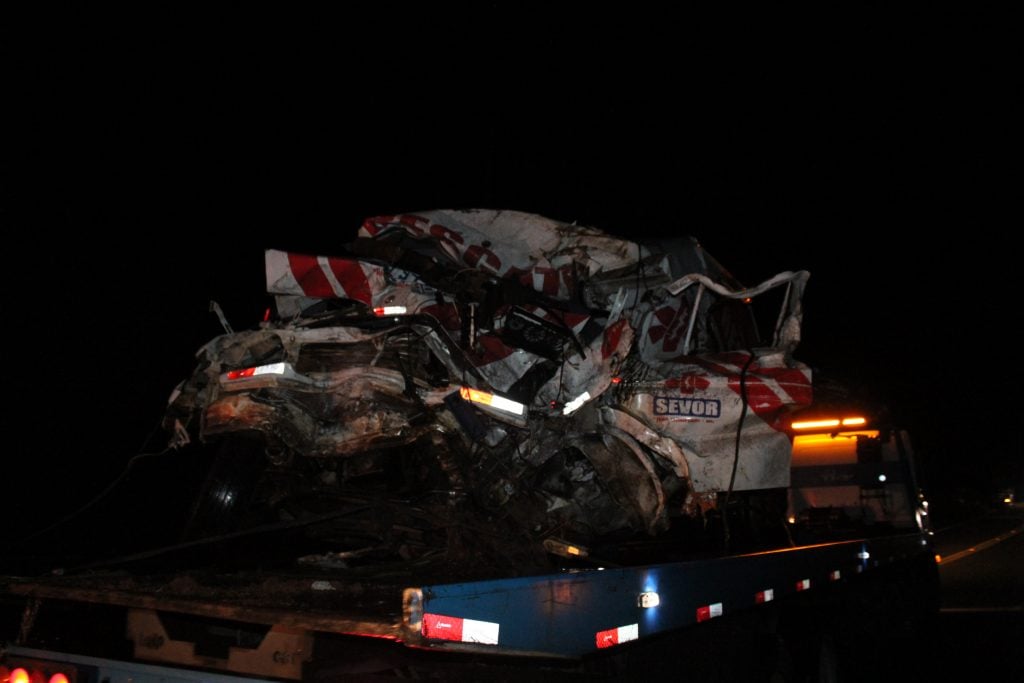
(791, 519)
(493, 400)
(881, 477)
(575, 404)
(863, 555)
(648, 599)
(389, 310)
(1007, 500)
(573, 550)
(938, 558)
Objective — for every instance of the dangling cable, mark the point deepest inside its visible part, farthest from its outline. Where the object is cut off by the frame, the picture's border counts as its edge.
(102, 494)
(736, 456)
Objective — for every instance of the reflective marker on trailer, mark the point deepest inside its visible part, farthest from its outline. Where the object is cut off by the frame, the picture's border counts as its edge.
(614, 636)
(441, 627)
(271, 369)
(389, 310)
(767, 595)
(492, 400)
(803, 585)
(834, 575)
(709, 611)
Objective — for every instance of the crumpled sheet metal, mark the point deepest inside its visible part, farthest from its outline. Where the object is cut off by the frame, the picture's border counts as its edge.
(607, 343)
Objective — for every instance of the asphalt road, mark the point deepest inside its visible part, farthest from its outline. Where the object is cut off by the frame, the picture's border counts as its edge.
(980, 630)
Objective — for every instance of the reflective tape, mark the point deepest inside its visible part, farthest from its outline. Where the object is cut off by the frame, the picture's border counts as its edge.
(614, 636)
(709, 611)
(443, 627)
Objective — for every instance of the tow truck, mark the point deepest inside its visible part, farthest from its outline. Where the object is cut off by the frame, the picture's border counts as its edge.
(488, 444)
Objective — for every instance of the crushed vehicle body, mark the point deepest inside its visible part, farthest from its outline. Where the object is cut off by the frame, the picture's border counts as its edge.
(457, 379)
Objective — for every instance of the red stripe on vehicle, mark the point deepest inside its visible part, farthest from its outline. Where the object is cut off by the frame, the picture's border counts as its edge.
(612, 337)
(352, 279)
(311, 279)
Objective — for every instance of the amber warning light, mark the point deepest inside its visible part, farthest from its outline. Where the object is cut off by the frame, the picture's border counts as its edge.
(805, 425)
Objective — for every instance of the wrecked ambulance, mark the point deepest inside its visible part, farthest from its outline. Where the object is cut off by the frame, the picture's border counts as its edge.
(490, 383)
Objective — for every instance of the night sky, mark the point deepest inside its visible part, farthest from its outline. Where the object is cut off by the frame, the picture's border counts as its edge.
(152, 167)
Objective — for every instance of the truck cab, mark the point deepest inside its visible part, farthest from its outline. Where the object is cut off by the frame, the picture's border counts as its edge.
(852, 476)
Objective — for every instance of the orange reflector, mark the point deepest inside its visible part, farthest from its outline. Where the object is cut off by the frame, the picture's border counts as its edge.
(938, 558)
(492, 400)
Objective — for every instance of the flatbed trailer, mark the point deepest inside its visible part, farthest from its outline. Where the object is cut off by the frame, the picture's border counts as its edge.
(785, 608)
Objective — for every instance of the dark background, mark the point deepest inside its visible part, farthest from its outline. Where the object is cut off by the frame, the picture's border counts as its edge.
(153, 159)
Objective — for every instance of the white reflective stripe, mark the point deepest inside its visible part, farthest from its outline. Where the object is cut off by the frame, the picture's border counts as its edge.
(492, 400)
(715, 610)
(390, 310)
(767, 595)
(575, 404)
(325, 268)
(803, 584)
(474, 631)
(507, 405)
(835, 575)
(631, 632)
(272, 369)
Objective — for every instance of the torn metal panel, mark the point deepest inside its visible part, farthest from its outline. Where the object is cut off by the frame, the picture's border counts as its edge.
(565, 380)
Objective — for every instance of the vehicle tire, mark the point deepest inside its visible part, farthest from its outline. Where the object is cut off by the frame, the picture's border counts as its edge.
(226, 497)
